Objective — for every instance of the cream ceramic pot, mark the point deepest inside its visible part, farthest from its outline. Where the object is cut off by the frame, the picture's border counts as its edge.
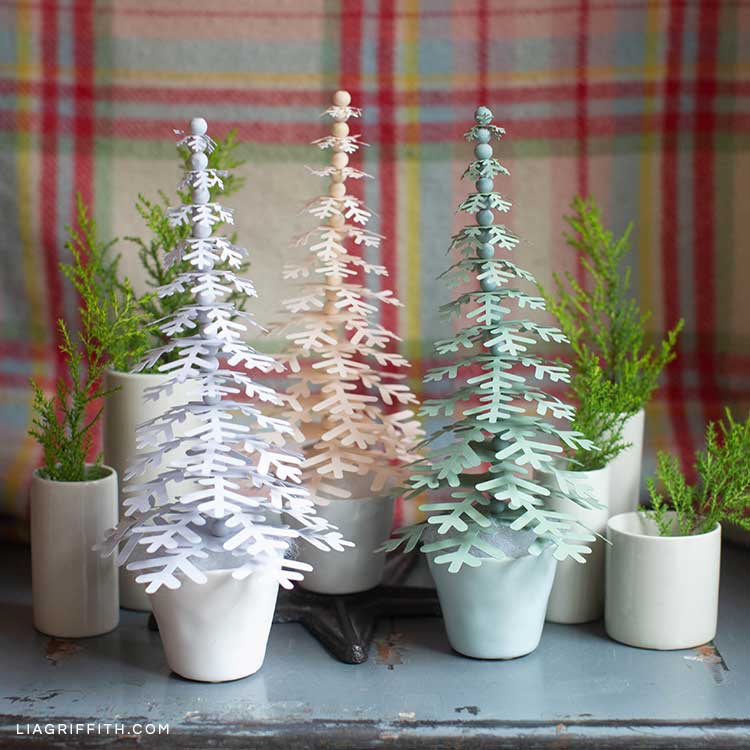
(216, 631)
(578, 591)
(625, 469)
(74, 589)
(496, 610)
(662, 591)
(124, 409)
(366, 522)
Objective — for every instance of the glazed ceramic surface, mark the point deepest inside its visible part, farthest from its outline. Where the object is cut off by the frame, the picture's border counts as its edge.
(662, 592)
(625, 470)
(365, 521)
(216, 631)
(74, 589)
(124, 410)
(496, 610)
(578, 591)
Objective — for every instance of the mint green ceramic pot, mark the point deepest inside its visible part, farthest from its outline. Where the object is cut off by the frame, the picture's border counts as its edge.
(496, 610)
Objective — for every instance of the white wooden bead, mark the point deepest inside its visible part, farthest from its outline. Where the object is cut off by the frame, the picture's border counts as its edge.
(342, 98)
(198, 126)
(340, 160)
(198, 161)
(201, 195)
(337, 190)
(340, 129)
(201, 230)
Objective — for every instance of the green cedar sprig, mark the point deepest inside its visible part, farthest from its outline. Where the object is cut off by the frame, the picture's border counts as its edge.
(63, 422)
(722, 490)
(606, 320)
(600, 416)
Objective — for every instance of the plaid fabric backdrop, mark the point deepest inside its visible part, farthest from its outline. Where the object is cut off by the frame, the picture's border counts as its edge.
(644, 105)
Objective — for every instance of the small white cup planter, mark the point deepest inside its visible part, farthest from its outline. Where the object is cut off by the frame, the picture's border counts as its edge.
(578, 591)
(365, 521)
(625, 469)
(74, 590)
(662, 591)
(496, 610)
(216, 631)
(124, 409)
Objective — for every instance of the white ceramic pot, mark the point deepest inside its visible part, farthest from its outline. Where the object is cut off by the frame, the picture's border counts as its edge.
(662, 591)
(578, 591)
(625, 469)
(496, 610)
(124, 409)
(74, 589)
(367, 522)
(216, 631)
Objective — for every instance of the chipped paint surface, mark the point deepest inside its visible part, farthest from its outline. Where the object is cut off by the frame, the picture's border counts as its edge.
(473, 710)
(58, 649)
(709, 655)
(389, 650)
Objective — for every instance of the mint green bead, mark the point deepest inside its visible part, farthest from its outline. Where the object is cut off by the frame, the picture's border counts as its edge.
(483, 151)
(485, 218)
(484, 185)
(486, 251)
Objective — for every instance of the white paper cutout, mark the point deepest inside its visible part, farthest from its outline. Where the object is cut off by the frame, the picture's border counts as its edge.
(244, 488)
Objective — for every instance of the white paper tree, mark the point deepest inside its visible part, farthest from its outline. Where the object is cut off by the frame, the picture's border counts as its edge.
(243, 489)
(496, 463)
(347, 400)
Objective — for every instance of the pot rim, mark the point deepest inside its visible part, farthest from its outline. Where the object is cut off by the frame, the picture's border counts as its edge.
(127, 374)
(110, 473)
(606, 469)
(657, 538)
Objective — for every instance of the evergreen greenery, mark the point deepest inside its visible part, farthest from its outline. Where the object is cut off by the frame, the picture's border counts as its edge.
(62, 423)
(721, 492)
(604, 319)
(600, 415)
(496, 463)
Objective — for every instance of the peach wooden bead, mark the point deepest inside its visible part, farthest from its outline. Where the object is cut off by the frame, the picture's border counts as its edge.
(340, 129)
(342, 98)
(330, 308)
(334, 279)
(339, 160)
(337, 190)
(337, 177)
(336, 221)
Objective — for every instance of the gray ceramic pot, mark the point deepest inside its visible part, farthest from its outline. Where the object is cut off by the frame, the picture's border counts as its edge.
(496, 611)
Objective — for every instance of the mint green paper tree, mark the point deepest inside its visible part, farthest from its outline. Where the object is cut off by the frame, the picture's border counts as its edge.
(499, 461)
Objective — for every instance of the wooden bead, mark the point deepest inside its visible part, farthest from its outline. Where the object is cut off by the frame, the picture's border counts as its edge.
(337, 221)
(334, 279)
(340, 129)
(340, 160)
(330, 308)
(337, 177)
(342, 98)
(337, 190)
(198, 126)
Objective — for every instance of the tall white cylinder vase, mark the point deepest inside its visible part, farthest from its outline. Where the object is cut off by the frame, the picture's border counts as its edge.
(124, 409)
(625, 469)
(74, 589)
(662, 591)
(578, 591)
(216, 631)
(495, 610)
(365, 521)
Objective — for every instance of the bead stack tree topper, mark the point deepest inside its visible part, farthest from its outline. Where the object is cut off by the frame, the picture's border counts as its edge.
(240, 485)
(496, 463)
(348, 402)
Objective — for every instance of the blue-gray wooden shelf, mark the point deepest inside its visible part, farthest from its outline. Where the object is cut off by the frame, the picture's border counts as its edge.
(579, 689)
